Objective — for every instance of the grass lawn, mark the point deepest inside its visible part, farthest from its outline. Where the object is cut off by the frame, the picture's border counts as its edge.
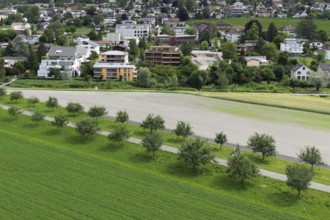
(279, 22)
(271, 164)
(83, 30)
(51, 173)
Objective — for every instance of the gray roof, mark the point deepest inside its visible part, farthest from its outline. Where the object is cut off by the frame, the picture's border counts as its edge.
(57, 51)
(296, 67)
(324, 67)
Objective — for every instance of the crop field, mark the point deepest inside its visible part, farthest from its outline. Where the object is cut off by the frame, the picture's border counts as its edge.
(51, 173)
(271, 164)
(279, 22)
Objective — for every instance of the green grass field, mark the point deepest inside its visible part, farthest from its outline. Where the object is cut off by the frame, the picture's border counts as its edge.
(83, 30)
(271, 164)
(279, 22)
(50, 173)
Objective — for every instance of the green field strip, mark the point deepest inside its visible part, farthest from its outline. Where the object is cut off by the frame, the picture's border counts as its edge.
(203, 204)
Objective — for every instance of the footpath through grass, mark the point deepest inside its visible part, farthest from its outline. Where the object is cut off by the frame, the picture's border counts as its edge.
(55, 173)
(271, 164)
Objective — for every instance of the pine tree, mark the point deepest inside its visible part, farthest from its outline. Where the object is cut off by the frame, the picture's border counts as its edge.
(2, 70)
(32, 60)
(42, 51)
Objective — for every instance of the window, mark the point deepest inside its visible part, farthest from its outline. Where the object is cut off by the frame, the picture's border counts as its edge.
(298, 72)
(303, 68)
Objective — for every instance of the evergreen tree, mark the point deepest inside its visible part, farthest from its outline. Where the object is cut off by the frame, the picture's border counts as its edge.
(10, 50)
(32, 61)
(42, 51)
(271, 32)
(2, 70)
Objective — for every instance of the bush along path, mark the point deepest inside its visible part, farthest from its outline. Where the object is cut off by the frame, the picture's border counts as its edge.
(282, 177)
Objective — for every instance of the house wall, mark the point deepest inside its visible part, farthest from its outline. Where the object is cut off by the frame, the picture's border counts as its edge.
(253, 63)
(302, 73)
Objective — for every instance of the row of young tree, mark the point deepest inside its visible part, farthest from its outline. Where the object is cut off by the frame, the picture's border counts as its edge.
(193, 152)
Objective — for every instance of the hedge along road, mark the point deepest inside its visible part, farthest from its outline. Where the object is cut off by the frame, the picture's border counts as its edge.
(201, 114)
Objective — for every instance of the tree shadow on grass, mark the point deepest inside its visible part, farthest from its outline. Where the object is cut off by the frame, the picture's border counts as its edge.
(175, 140)
(284, 198)
(258, 159)
(231, 184)
(79, 139)
(111, 147)
(145, 157)
(179, 169)
(9, 119)
(53, 132)
(141, 132)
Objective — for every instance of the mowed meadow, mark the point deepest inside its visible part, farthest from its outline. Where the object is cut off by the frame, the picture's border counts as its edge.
(52, 173)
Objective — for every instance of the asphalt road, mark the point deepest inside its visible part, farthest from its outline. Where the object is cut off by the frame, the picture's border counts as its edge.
(206, 121)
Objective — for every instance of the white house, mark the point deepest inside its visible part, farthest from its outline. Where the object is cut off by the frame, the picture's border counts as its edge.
(316, 44)
(234, 34)
(293, 45)
(132, 30)
(67, 59)
(327, 53)
(89, 45)
(301, 72)
(10, 61)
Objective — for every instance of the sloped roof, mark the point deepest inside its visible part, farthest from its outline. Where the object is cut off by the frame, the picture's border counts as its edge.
(324, 67)
(57, 51)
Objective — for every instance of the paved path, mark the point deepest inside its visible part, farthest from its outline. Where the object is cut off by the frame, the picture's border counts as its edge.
(174, 150)
(203, 114)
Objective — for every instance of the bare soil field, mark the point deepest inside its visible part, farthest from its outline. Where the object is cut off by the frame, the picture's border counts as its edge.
(201, 113)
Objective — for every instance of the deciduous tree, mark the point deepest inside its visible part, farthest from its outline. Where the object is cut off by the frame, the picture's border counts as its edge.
(14, 111)
(87, 127)
(194, 153)
(122, 116)
(240, 166)
(311, 155)
(15, 95)
(52, 103)
(152, 142)
(33, 100)
(37, 117)
(153, 123)
(298, 177)
(97, 111)
(60, 121)
(220, 138)
(183, 129)
(263, 143)
(74, 108)
(119, 134)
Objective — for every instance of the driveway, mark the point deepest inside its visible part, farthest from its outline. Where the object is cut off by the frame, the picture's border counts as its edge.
(200, 113)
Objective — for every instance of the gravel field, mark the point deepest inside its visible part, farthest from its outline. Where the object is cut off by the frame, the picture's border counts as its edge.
(199, 112)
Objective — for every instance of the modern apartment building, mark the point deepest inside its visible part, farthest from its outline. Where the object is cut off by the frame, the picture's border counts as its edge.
(132, 30)
(163, 55)
(113, 56)
(114, 65)
(67, 59)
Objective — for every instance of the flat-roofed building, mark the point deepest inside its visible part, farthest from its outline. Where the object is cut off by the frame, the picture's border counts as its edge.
(114, 56)
(163, 55)
(114, 71)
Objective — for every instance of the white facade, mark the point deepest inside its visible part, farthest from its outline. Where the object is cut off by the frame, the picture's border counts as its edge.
(132, 30)
(67, 59)
(90, 47)
(113, 37)
(301, 72)
(71, 67)
(327, 54)
(292, 45)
